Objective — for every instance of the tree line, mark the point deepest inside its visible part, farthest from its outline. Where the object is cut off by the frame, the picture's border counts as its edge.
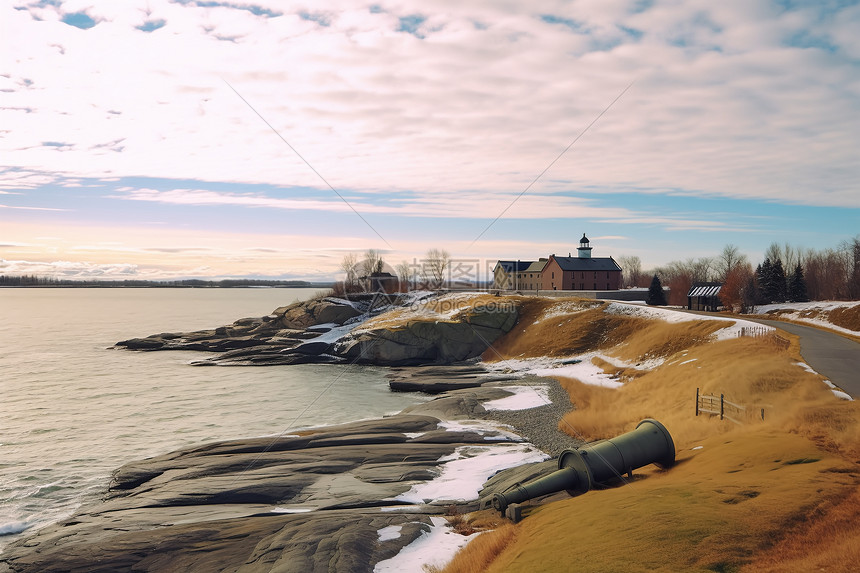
(787, 274)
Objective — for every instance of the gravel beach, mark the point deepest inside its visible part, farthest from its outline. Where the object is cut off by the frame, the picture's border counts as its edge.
(540, 425)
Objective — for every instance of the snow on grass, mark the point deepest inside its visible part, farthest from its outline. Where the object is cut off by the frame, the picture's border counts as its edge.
(833, 388)
(464, 472)
(837, 392)
(563, 308)
(584, 370)
(523, 398)
(433, 548)
(732, 330)
(814, 313)
(424, 307)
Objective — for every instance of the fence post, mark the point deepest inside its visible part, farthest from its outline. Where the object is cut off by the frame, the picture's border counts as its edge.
(722, 409)
(697, 401)
(762, 414)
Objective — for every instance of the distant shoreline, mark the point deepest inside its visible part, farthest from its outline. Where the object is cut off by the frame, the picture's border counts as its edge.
(177, 284)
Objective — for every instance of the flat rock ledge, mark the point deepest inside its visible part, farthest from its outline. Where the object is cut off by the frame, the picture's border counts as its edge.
(313, 501)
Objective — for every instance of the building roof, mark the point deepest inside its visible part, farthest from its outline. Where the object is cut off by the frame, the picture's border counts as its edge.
(536, 266)
(514, 266)
(704, 289)
(592, 264)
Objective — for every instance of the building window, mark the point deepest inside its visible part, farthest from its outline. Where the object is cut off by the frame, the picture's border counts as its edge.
(607, 286)
(595, 286)
(553, 274)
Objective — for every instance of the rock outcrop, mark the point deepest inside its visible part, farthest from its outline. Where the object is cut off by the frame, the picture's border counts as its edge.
(318, 331)
(305, 503)
(283, 328)
(422, 341)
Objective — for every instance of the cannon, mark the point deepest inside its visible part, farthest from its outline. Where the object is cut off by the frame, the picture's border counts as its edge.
(580, 469)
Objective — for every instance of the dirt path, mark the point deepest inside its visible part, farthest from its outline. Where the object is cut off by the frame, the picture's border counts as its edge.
(831, 355)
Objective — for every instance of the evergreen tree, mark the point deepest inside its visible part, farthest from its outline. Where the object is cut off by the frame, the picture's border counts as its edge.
(758, 291)
(797, 286)
(764, 274)
(779, 282)
(656, 296)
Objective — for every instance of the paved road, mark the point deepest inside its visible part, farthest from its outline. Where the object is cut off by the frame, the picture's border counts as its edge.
(833, 356)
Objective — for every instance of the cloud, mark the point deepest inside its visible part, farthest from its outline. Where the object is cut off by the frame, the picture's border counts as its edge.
(68, 269)
(24, 208)
(729, 99)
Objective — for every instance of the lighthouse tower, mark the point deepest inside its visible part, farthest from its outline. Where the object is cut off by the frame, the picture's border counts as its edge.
(584, 248)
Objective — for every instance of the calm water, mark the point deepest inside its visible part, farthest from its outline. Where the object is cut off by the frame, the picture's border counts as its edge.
(72, 409)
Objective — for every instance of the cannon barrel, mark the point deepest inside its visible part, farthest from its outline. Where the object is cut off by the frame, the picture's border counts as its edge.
(579, 469)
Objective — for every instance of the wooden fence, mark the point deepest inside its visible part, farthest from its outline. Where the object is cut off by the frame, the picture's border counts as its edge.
(719, 406)
(765, 332)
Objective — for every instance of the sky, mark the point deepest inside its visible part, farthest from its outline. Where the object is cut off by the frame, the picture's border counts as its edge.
(162, 140)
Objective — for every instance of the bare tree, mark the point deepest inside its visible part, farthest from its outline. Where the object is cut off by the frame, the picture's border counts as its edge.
(404, 273)
(436, 262)
(373, 263)
(728, 259)
(631, 268)
(349, 266)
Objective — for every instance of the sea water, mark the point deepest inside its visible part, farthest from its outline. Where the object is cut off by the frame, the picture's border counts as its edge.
(73, 409)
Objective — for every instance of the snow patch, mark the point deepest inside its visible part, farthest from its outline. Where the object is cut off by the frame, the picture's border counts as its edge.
(433, 548)
(389, 533)
(797, 309)
(293, 510)
(563, 308)
(482, 428)
(837, 392)
(524, 398)
(583, 370)
(465, 471)
(731, 330)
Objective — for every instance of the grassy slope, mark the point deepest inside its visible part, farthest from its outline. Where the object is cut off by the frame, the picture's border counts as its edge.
(775, 495)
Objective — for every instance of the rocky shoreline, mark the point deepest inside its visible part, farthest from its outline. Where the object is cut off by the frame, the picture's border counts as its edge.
(332, 330)
(318, 499)
(315, 500)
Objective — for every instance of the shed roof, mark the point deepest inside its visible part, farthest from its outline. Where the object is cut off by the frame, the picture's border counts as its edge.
(704, 289)
(587, 264)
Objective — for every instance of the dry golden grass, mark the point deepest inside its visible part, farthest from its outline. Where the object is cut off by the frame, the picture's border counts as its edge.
(846, 317)
(435, 309)
(558, 336)
(774, 495)
(483, 550)
(825, 540)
